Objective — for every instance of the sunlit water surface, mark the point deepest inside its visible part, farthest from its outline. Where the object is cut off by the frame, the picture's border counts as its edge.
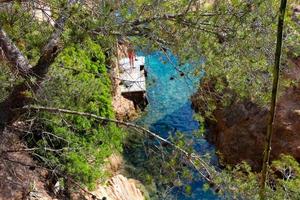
(169, 109)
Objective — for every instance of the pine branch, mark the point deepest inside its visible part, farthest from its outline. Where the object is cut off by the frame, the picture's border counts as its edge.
(207, 174)
(53, 47)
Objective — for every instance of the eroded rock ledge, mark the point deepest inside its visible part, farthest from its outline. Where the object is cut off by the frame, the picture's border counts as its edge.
(120, 188)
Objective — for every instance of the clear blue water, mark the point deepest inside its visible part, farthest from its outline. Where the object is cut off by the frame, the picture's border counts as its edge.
(169, 108)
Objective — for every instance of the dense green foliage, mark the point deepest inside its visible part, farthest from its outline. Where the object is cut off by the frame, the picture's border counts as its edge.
(28, 34)
(242, 58)
(7, 81)
(241, 183)
(78, 81)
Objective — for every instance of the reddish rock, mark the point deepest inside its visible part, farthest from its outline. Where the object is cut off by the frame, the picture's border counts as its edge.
(123, 108)
(239, 130)
(19, 178)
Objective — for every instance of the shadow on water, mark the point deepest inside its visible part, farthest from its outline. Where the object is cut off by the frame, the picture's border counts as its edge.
(181, 120)
(169, 111)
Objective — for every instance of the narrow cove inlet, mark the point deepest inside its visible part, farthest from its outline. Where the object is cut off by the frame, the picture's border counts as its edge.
(150, 100)
(169, 88)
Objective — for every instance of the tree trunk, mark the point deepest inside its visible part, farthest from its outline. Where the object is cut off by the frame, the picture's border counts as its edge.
(267, 150)
(20, 96)
(19, 63)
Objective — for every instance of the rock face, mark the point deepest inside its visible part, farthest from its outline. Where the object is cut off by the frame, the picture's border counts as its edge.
(239, 130)
(239, 133)
(18, 178)
(120, 188)
(296, 13)
(123, 107)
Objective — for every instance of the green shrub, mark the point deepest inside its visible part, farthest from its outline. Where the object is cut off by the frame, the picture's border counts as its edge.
(78, 81)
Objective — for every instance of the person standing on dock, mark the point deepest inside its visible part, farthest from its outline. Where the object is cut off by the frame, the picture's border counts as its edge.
(131, 55)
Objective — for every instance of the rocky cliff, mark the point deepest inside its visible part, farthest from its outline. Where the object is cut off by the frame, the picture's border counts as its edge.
(119, 188)
(239, 130)
(123, 107)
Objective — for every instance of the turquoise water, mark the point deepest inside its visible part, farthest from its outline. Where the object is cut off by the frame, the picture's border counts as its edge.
(169, 87)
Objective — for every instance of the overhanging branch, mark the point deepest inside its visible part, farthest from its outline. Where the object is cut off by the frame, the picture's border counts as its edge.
(205, 171)
(53, 47)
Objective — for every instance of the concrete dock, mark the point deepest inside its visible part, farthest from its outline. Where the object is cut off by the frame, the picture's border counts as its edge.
(133, 81)
(133, 78)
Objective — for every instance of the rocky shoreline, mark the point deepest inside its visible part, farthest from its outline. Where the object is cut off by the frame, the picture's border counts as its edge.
(238, 131)
(124, 108)
(119, 187)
